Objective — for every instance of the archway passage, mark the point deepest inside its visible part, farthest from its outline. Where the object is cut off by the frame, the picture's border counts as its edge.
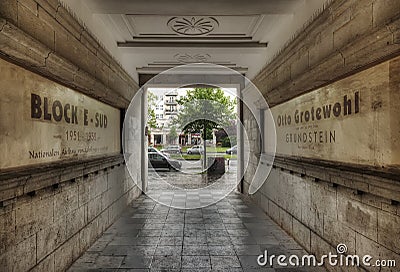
(190, 163)
(328, 69)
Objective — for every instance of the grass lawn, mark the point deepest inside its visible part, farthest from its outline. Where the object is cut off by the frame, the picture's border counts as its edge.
(217, 149)
(196, 157)
(209, 149)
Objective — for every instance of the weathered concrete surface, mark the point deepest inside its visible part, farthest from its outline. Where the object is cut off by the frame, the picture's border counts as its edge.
(323, 201)
(357, 113)
(329, 215)
(50, 214)
(42, 36)
(54, 122)
(47, 231)
(346, 36)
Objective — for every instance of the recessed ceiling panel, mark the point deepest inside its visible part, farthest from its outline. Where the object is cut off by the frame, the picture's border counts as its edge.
(226, 26)
(160, 34)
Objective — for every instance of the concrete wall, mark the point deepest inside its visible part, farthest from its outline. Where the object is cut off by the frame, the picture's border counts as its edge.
(47, 229)
(320, 214)
(323, 204)
(346, 37)
(43, 36)
(50, 214)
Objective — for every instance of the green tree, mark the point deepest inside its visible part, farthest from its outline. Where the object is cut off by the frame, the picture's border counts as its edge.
(172, 135)
(151, 115)
(203, 110)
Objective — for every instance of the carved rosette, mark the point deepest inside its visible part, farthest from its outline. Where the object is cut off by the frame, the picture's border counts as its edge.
(193, 26)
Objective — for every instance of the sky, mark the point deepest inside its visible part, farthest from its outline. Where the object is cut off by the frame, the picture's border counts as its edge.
(182, 91)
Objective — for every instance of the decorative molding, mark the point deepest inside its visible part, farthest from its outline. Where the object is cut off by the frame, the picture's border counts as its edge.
(193, 26)
(130, 25)
(326, 67)
(358, 177)
(256, 25)
(188, 58)
(20, 48)
(194, 44)
(20, 181)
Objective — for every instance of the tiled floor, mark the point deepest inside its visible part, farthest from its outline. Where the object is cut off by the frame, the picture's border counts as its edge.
(227, 236)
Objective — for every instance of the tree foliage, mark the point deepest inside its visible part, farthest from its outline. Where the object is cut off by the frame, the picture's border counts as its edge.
(172, 135)
(205, 108)
(151, 105)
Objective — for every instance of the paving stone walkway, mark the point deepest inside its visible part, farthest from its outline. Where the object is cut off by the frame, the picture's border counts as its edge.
(187, 190)
(226, 236)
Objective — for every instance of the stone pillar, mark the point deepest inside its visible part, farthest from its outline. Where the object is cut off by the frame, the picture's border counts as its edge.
(214, 140)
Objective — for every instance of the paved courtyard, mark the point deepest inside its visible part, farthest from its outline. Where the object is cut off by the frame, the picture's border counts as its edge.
(188, 189)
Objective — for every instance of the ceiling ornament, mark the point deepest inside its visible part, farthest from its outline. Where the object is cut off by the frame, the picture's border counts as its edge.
(187, 58)
(193, 26)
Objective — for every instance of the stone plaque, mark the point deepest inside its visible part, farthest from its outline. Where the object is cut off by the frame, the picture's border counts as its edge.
(354, 120)
(44, 122)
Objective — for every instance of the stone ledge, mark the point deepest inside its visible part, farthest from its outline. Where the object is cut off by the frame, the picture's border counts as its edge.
(39, 24)
(17, 182)
(24, 50)
(339, 64)
(379, 182)
(55, 241)
(375, 45)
